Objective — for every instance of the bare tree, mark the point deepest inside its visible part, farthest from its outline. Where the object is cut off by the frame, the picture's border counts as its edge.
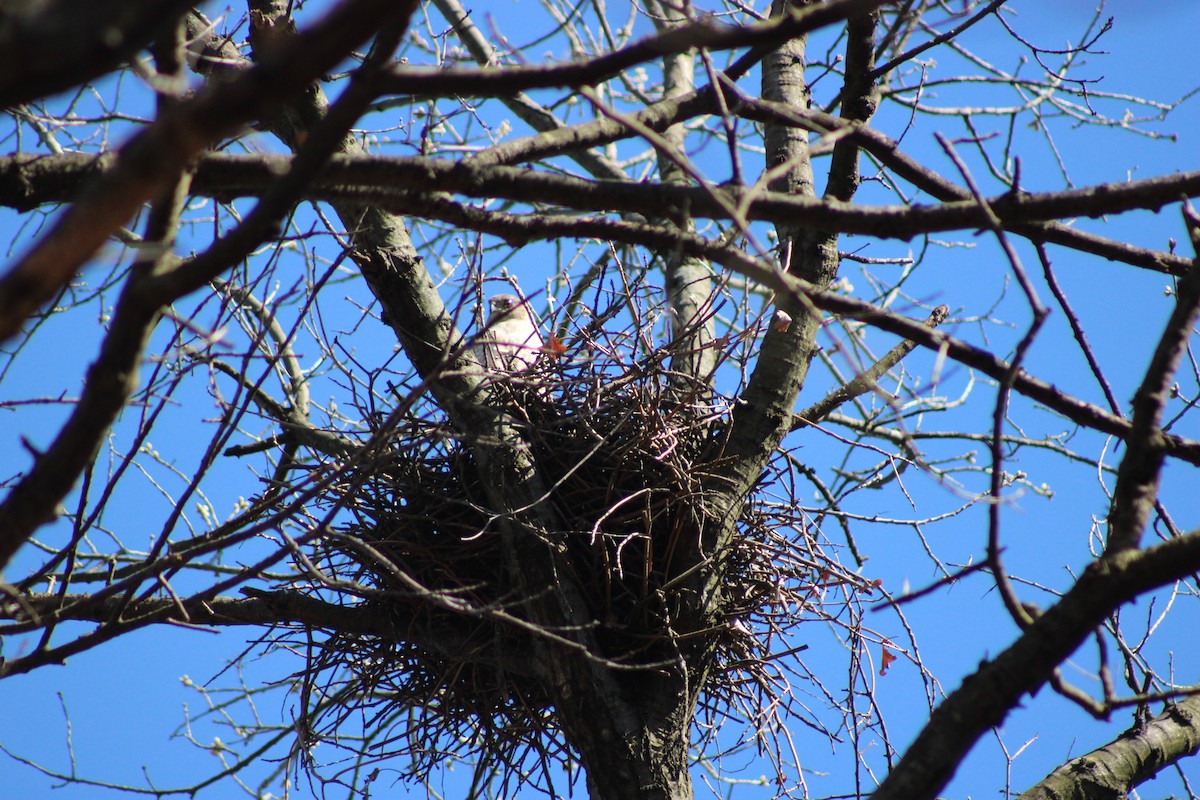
(591, 555)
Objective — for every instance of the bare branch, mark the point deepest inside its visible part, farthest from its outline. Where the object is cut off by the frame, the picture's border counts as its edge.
(156, 156)
(985, 697)
(865, 381)
(1138, 477)
(1136, 756)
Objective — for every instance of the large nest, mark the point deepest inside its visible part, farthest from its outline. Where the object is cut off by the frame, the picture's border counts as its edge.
(618, 445)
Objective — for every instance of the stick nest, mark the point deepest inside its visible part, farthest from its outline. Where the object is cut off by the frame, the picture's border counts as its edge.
(621, 449)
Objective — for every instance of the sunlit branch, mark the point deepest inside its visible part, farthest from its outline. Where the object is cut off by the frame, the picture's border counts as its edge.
(701, 32)
(866, 380)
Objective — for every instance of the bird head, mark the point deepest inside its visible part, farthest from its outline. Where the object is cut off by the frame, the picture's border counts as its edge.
(502, 306)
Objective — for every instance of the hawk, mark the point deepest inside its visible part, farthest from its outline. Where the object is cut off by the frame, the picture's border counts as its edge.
(510, 341)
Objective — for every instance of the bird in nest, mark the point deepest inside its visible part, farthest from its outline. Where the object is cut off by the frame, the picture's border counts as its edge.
(510, 341)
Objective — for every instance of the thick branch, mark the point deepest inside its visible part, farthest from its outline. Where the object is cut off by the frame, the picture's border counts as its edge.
(1112, 771)
(155, 157)
(859, 99)
(1136, 490)
(701, 32)
(667, 112)
(443, 634)
(985, 697)
(809, 256)
(27, 180)
(688, 279)
(51, 46)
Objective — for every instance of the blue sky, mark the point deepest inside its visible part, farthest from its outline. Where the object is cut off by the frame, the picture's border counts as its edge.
(128, 700)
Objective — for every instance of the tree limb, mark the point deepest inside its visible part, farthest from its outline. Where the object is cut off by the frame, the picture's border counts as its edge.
(27, 180)
(1136, 488)
(440, 633)
(49, 47)
(156, 155)
(1112, 771)
(986, 697)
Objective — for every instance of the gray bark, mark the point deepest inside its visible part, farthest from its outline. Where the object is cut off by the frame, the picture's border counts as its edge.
(1112, 771)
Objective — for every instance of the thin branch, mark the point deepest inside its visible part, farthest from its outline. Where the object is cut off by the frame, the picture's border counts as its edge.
(535, 115)
(865, 381)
